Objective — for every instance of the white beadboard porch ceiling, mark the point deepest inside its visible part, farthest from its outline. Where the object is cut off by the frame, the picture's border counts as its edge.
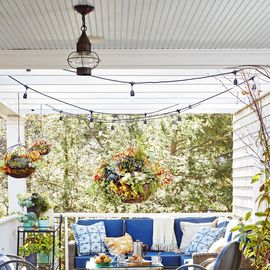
(137, 33)
(137, 24)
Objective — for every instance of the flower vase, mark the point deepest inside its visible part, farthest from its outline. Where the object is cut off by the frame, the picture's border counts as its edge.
(44, 258)
(28, 225)
(43, 224)
(32, 258)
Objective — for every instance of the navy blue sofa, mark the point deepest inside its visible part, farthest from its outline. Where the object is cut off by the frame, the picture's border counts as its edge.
(140, 229)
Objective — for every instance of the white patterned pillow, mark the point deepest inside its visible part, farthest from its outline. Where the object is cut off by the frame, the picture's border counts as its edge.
(203, 240)
(89, 239)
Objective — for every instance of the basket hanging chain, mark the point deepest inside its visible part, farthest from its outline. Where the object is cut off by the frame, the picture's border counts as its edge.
(19, 131)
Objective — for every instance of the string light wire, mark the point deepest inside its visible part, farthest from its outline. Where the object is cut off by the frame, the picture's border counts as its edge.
(142, 117)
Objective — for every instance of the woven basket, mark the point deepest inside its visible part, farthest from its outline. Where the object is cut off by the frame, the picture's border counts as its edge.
(141, 197)
(18, 151)
(21, 173)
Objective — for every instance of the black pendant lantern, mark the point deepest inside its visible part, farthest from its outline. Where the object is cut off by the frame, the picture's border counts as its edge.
(83, 60)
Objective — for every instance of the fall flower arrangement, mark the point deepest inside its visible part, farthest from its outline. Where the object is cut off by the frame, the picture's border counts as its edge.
(131, 175)
(41, 146)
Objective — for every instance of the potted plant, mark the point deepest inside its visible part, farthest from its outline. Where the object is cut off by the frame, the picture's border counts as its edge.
(19, 161)
(33, 203)
(45, 243)
(28, 220)
(129, 176)
(29, 249)
(40, 204)
(40, 245)
(41, 146)
(43, 222)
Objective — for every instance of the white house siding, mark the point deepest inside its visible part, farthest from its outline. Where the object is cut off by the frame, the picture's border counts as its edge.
(245, 162)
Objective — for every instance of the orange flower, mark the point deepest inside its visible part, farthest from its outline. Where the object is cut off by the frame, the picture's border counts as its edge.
(96, 177)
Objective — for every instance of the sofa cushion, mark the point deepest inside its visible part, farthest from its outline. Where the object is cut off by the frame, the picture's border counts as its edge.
(80, 261)
(169, 259)
(119, 245)
(140, 229)
(185, 258)
(114, 227)
(203, 240)
(177, 229)
(218, 245)
(228, 234)
(89, 239)
(189, 229)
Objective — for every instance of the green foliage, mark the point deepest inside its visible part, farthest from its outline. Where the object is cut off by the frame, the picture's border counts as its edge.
(198, 153)
(31, 216)
(37, 243)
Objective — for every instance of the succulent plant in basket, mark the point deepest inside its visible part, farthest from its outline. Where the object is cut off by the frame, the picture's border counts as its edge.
(19, 161)
(130, 176)
(41, 146)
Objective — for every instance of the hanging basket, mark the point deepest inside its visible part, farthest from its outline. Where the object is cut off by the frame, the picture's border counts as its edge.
(141, 197)
(41, 146)
(19, 161)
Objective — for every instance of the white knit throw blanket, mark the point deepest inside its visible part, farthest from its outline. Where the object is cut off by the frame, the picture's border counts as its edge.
(163, 235)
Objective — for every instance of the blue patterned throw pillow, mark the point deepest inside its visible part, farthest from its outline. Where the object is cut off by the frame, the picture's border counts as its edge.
(89, 239)
(204, 239)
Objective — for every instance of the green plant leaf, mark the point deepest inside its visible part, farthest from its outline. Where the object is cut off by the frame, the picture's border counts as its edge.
(256, 178)
(247, 216)
(263, 198)
(236, 228)
(260, 214)
(249, 227)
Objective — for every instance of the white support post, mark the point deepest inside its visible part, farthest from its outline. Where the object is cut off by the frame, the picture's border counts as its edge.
(15, 185)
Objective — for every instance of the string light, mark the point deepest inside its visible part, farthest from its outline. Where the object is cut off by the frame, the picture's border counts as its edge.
(253, 87)
(61, 116)
(112, 126)
(132, 93)
(179, 118)
(25, 93)
(91, 120)
(150, 115)
(145, 120)
(235, 82)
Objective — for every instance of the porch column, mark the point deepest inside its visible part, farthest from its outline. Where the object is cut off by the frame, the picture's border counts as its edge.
(15, 185)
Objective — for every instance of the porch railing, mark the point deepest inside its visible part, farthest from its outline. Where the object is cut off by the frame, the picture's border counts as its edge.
(8, 234)
(68, 218)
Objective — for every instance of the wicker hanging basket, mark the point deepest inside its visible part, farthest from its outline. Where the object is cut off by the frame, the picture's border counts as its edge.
(141, 197)
(19, 161)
